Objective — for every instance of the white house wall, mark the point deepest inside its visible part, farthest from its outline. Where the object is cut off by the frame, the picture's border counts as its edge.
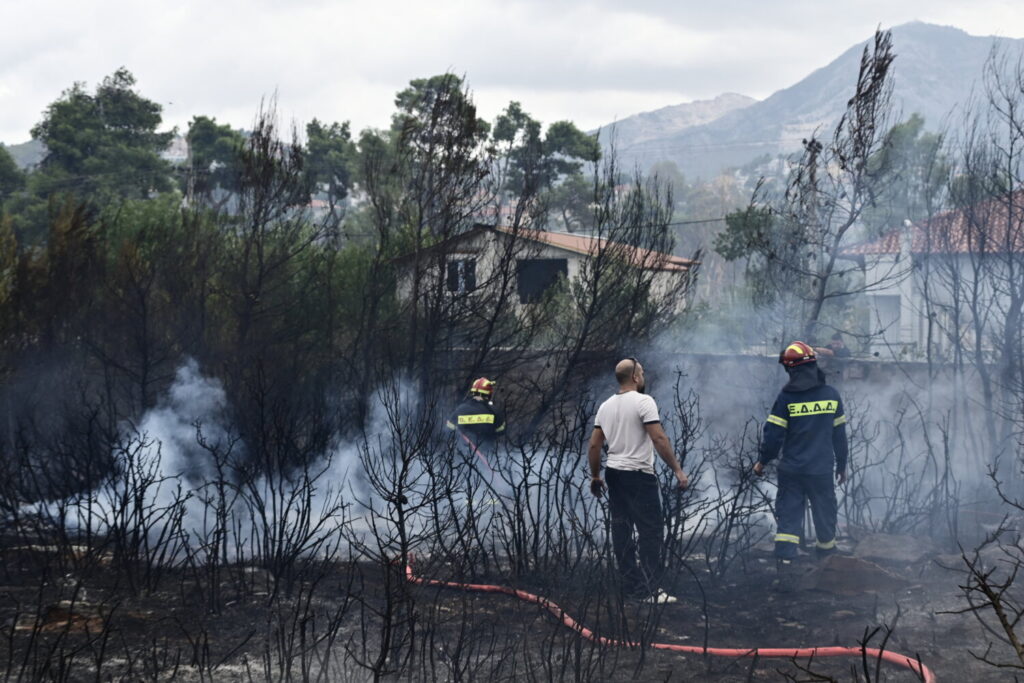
(904, 336)
(486, 247)
(931, 275)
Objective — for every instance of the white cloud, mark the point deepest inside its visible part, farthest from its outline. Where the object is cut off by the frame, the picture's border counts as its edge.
(563, 59)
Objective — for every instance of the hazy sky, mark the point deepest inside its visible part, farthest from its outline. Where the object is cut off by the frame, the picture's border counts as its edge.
(587, 61)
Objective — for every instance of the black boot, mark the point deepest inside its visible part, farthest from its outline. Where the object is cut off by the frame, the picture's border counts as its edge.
(822, 554)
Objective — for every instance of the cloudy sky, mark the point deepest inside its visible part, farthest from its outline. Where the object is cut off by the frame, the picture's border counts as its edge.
(587, 61)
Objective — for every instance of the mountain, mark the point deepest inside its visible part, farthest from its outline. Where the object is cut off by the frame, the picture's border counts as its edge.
(652, 125)
(934, 72)
(27, 154)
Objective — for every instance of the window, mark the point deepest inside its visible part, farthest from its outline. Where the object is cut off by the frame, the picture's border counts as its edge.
(461, 276)
(536, 276)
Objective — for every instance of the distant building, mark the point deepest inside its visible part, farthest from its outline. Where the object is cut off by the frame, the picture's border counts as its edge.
(950, 255)
(177, 151)
(470, 259)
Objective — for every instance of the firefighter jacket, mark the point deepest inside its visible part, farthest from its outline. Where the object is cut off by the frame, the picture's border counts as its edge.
(478, 420)
(808, 424)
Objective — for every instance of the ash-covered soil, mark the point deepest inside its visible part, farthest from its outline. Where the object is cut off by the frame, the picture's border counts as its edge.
(74, 615)
(847, 600)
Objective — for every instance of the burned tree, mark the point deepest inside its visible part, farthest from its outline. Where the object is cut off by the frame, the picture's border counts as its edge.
(628, 288)
(970, 264)
(799, 243)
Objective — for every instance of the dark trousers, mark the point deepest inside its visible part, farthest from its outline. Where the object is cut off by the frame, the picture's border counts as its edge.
(794, 489)
(634, 502)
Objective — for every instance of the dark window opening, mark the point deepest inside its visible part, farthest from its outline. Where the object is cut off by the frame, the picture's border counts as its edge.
(536, 276)
(461, 276)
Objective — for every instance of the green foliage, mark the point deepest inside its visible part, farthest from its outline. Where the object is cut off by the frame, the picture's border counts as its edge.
(214, 158)
(9, 273)
(330, 159)
(423, 175)
(568, 202)
(12, 179)
(747, 232)
(436, 114)
(569, 147)
(539, 163)
(908, 176)
(102, 145)
(770, 247)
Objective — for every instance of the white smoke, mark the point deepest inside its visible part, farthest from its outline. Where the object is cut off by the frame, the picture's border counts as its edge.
(904, 417)
(194, 405)
(181, 460)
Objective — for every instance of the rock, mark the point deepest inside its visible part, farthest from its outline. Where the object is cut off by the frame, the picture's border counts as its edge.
(853, 575)
(949, 561)
(894, 549)
(989, 556)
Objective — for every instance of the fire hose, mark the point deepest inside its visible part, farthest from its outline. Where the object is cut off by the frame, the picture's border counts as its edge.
(915, 665)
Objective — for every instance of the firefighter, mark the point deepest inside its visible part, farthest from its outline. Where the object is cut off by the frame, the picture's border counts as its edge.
(808, 424)
(479, 424)
(476, 418)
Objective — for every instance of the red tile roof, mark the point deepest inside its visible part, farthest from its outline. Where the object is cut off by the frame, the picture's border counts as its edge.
(993, 226)
(588, 245)
(580, 244)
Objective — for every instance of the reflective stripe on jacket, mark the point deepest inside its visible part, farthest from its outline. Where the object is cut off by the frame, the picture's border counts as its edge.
(809, 427)
(479, 420)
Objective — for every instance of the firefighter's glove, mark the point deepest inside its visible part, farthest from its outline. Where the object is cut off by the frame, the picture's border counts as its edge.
(840, 477)
(759, 468)
(597, 486)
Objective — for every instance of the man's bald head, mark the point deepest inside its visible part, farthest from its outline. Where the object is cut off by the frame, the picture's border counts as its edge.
(625, 370)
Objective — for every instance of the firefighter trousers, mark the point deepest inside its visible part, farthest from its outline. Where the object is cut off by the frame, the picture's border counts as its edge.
(794, 489)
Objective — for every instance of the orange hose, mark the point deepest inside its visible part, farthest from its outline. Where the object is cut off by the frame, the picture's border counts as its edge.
(894, 657)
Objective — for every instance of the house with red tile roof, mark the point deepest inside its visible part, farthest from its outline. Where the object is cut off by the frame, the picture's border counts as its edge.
(471, 260)
(949, 256)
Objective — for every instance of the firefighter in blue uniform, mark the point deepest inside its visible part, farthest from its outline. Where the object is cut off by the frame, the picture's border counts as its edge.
(808, 424)
(476, 418)
(479, 423)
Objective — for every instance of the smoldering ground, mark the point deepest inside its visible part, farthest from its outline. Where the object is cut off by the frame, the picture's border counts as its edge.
(325, 544)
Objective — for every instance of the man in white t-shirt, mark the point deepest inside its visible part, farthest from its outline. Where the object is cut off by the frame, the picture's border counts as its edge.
(629, 423)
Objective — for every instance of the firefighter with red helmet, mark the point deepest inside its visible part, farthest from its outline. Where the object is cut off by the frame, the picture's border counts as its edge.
(477, 418)
(479, 424)
(808, 424)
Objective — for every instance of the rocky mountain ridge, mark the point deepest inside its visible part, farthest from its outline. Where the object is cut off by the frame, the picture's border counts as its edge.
(935, 70)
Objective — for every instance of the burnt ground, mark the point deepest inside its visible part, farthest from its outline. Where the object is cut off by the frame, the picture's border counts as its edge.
(66, 615)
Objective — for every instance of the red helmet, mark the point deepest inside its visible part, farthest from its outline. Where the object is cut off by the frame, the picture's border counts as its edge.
(796, 354)
(482, 386)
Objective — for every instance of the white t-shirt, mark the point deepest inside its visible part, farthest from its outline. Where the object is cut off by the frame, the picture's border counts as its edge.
(622, 418)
